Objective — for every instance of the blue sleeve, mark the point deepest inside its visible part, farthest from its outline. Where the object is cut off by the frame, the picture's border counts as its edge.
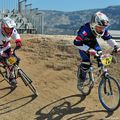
(77, 43)
(81, 35)
(83, 32)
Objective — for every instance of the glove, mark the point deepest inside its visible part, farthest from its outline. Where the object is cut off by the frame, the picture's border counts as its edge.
(92, 52)
(99, 52)
(116, 49)
(18, 45)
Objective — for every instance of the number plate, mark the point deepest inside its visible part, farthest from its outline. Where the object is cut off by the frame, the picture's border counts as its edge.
(106, 60)
(11, 60)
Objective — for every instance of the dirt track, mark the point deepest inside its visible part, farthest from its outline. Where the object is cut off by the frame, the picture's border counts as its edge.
(51, 63)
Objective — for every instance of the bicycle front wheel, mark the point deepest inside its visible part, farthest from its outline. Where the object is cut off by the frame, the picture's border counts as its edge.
(109, 93)
(27, 81)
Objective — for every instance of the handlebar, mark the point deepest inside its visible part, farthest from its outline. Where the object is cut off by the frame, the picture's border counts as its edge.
(108, 56)
(112, 53)
(17, 47)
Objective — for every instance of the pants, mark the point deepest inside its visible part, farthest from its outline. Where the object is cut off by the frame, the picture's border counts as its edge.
(84, 66)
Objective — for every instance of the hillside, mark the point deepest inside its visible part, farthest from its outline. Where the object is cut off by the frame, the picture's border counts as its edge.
(51, 62)
(59, 22)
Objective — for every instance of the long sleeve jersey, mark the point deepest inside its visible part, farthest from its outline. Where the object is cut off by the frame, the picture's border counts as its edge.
(5, 41)
(86, 39)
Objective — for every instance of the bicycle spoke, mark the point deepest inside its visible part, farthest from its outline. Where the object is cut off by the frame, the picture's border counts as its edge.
(109, 93)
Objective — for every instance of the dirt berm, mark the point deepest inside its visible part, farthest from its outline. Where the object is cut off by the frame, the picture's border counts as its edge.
(51, 62)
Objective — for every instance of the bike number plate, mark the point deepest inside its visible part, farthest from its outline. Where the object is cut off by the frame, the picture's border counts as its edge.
(11, 60)
(106, 60)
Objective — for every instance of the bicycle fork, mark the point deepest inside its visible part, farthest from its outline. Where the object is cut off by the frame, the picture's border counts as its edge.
(107, 84)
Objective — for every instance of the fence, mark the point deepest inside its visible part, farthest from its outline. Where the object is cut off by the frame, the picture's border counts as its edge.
(115, 34)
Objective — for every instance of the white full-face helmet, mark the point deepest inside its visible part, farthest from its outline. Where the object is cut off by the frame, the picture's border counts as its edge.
(99, 22)
(7, 26)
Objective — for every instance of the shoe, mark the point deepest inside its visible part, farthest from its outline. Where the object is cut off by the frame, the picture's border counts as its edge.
(80, 84)
(13, 82)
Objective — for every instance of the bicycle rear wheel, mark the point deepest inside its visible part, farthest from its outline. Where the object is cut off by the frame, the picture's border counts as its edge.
(4, 74)
(87, 85)
(109, 93)
(27, 81)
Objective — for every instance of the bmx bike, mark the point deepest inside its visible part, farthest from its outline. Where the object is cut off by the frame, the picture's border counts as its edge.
(108, 89)
(12, 62)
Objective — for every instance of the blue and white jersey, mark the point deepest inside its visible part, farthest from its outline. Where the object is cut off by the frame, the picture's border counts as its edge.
(86, 38)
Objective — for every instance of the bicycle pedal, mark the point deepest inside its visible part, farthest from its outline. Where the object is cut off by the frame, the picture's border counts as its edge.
(91, 84)
(13, 85)
(80, 87)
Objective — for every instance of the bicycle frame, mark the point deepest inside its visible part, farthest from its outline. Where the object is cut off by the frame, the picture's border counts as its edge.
(18, 72)
(108, 86)
(7, 71)
(100, 72)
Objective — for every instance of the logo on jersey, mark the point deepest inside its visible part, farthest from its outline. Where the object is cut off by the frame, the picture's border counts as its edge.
(84, 33)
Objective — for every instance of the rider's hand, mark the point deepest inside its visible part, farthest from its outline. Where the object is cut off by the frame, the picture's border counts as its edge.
(18, 45)
(92, 52)
(99, 52)
(116, 49)
(11, 52)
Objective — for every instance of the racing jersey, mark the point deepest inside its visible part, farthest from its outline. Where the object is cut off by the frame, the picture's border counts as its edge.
(87, 39)
(5, 41)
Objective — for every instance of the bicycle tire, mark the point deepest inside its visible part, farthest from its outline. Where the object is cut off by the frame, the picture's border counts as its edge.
(102, 82)
(3, 75)
(27, 81)
(86, 88)
(7, 80)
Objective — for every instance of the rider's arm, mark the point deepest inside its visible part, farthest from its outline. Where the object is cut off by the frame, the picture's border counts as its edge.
(78, 41)
(112, 42)
(17, 38)
(7, 45)
(108, 38)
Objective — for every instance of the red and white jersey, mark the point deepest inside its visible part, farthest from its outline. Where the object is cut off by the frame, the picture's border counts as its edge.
(5, 41)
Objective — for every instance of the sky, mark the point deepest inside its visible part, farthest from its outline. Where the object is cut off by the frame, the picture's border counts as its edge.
(62, 5)
(72, 5)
